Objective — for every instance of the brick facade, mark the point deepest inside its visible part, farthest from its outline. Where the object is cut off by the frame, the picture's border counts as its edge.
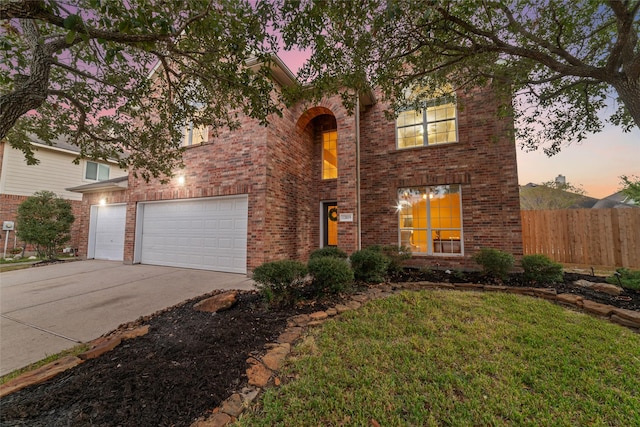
(279, 168)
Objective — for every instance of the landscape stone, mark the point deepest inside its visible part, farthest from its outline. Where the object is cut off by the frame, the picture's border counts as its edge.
(290, 335)
(597, 308)
(361, 298)
(98, 350)
(472, 286)
(624, 322)
(233, 405)
(341, 308)
(318, 315)
(274, 357)
(495, 288)
(354, 305)
(607, 288)
(331, 312)
(216, 420)
(134, 333)
(258, 375)
(39, 375)
(217, 303)
(571, 299)
(300, 320)
(249, 394)
(631, 315)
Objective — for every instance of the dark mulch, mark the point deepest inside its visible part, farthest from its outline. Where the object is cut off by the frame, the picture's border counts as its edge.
(190, 361)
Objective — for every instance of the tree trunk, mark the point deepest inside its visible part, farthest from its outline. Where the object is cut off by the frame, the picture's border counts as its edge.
(29, 92)
(629, 93)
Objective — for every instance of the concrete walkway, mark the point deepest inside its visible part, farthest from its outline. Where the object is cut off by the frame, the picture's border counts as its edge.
(44, 310)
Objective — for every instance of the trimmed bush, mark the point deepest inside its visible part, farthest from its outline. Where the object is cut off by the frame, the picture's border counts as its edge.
(494, 262)
(328, 251)
(330, 275)
(369, 265)
(395, 254)
(541, 269)
(629, 279)
(279, 282)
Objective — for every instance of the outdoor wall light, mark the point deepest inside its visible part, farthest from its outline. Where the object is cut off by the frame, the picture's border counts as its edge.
(181, 180)
(103, 202)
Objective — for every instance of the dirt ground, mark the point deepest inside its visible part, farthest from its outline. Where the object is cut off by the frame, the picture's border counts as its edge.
(186, 365)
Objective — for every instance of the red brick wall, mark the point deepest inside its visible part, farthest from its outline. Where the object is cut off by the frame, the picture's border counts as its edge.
(483, 162)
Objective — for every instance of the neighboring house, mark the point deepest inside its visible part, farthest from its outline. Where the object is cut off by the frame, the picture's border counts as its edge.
(538, 197)
(442, 181)
(55, 172)
(616, 200)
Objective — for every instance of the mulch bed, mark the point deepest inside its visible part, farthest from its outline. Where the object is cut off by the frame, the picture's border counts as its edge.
(188, 363)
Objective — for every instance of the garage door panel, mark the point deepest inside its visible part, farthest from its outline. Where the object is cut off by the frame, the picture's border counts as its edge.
(108, 232)
(206, 234)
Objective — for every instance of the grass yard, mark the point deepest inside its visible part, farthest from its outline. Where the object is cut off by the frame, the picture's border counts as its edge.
(459, 359)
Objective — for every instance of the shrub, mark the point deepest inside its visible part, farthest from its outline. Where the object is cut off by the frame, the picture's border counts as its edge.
(395, 254)
(279, 282)
(540, 268)
(369, 265)
(44, 220)
(328, 251)
(626, 278)
(494, 262)
(330, 275)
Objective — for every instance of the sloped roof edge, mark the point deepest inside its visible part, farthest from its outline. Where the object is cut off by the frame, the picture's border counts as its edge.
(115, 184)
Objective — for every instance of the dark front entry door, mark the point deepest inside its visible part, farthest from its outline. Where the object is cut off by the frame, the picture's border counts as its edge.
(330, 224)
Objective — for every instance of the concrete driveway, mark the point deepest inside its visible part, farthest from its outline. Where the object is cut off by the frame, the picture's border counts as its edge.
(45, 310)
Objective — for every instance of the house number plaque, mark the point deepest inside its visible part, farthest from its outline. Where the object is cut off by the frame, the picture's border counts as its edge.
(346, 217)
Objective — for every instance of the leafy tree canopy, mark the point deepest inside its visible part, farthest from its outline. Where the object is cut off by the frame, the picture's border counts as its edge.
(80, 71)
(45, 220)
(561, 59)
(631, 187)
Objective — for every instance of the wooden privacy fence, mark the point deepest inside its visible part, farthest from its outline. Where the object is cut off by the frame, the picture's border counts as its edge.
(596, 237)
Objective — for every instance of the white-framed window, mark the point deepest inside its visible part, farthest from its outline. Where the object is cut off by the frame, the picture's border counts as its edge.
(435, 124)
(95, 171)
(194, 135)
(430, 219)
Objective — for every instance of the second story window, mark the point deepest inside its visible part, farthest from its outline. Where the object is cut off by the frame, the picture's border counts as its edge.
(434, 124)
(96, 171)
(330, 155)
(194, 135)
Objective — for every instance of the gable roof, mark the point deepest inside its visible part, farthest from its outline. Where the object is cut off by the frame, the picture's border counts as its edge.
(115, 184)
(615, 200)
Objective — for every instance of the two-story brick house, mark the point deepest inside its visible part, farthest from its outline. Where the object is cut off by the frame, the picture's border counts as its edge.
(442, 181)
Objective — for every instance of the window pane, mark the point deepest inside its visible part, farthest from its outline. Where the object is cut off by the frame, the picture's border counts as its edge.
(441, 132)
(411, 136)
(103, 172)
(411, 117)
(92, 171)
(441, 112)
(330, 155)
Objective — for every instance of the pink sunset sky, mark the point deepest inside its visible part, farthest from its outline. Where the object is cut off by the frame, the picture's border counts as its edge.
(595, 165)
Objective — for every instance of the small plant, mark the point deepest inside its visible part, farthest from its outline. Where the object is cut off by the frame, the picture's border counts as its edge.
(629, 279)
(328, 251)
(396, 255)
(541, 269)
(494, 262)
(369, 265)
(330, 275)
(279, 282)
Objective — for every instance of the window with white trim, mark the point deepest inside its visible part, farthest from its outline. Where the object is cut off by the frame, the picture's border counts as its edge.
(431, 219)
(96, 171)
(194, 135)
(435, 124)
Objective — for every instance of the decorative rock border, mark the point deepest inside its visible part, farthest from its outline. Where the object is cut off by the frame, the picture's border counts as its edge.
(97, 347)
(263, 371)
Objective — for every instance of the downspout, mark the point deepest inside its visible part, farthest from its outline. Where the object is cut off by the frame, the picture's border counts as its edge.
(358, 216)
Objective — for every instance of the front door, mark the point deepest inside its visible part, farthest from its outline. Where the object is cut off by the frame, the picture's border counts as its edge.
(330, 224)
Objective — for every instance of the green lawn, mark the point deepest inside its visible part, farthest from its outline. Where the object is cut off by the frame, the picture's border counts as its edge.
(459, 359)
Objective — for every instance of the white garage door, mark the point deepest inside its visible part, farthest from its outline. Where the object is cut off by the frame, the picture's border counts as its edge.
(208, 234)
(107, 232)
